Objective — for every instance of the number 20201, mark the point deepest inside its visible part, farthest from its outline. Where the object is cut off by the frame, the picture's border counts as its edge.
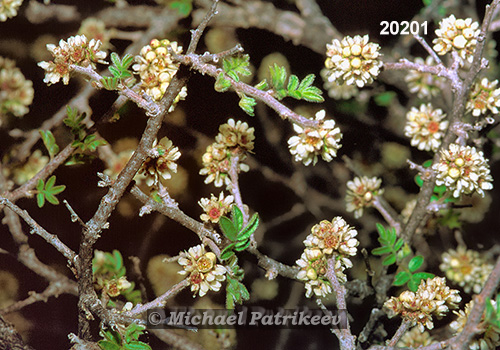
(403, 28)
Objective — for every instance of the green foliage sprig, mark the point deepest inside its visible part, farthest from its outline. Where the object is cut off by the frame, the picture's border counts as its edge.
(47, 191)
(119, 71)
(396, 251)
(113, 340)
(492, 312)
(236, 233)
(300, 90)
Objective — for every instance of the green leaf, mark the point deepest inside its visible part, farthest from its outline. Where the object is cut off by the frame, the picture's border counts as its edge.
(247, 103)
(242, 245)
(427, 163)
(313, 94)
(401, 278)
(237, 217)
(293, 83)
(418, 180)
(413, 285)
(127, 60)
(399, 244)
(51, 199)
(415, 263)
(184, 7)
(380, 229)
(263, 85)
(39, 185)
(228, 228)
(227, 252)
(50, 182)
(253, 224)
(382, 250)
(115, 71)
(423, 275)
(236, 65)
(427, 2)
(40, 200)
(107, 345)
(110, 83)
(389, 260)
(50, 142)
(136, 345)
(306, 82)
(115, 59)
(384, 99)
(222, 84)
(278, 77)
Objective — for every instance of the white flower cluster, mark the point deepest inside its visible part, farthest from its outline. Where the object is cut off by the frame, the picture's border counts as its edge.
(467, 268)
(463, 170)
(459, 35)
(156, 68)
(161, 161)
(16, 92)
(432, 297)
(426, 127)
(484, 96)
(203, 272)
(76, 51)
(361, 192)
(312, 142)
(8, 9)
(335, 239)
(335, 90)
(353, 60)
(233, 138)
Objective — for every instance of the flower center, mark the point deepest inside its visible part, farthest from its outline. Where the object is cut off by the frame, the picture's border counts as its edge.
(214, 213)
(433, 127)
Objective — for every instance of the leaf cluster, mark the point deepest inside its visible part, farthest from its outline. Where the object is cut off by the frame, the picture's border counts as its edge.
(284, 86)
(110, 266)
(47, 191)
(184, 7)
(396, 251)
(119, 71)
(129, 340)
(236, 233)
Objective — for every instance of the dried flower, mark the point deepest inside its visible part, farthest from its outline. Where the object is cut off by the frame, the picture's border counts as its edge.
(16, 92)
(8, 9)
(156, 68)
(312, 142)
(313, 264)
(215, 207)
(433, 297)
(463, 170)
(204, 274)
(161, 161)
(76, 51)
(361, 192)
(487, 336)
(483, 97)
(335, 90)
(236, 134)
(425, 85)
(415, 338)
(115, 286)
(353, 60)
(426, 127)
(459, 35)
(467, 268)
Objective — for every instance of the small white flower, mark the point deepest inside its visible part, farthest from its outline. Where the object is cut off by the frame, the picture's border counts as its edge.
(215, 207)
(204, 274)
(425, 85)
(361, 192)
(484, 96)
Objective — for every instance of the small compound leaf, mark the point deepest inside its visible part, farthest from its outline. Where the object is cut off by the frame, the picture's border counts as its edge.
(293, 83)
(222, 84)
(382, 250)
(247, 103)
